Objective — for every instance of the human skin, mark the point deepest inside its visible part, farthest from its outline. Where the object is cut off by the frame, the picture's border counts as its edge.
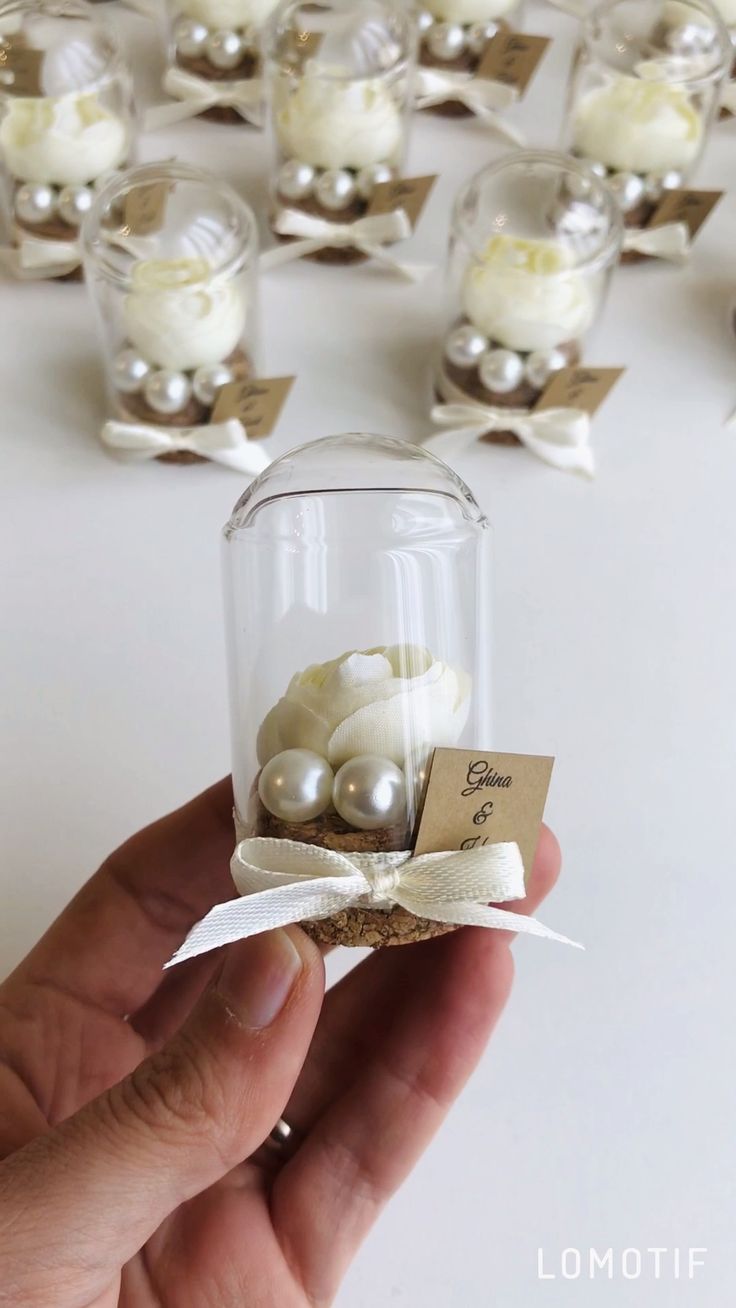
(129, 1099)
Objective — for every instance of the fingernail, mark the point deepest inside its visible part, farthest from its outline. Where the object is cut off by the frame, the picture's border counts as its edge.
(258, 977)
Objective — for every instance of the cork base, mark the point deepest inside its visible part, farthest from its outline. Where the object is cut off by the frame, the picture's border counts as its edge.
(221, 113)
(328, 254)
(133, 408)
(524, 396)
(353, 927)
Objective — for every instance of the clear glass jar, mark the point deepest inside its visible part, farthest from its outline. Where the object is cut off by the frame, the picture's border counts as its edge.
(454, 35)
(218, 40)
(66, 115)
(170, 256)
(338, 87)
(727, 10)
(533, 241)
(356, 584)
(643, 94)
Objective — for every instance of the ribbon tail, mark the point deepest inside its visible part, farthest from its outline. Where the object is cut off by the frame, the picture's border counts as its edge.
(412, 272)
(165, 115)
(238, 919)
(482, 915)
(491, 119)
(575, 8)
(565, 458)
(251, 459)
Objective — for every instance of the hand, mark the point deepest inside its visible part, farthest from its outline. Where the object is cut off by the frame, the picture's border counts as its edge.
(128, 1100)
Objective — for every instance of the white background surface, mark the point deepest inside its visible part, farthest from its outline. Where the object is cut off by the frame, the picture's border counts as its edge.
(603, 1114)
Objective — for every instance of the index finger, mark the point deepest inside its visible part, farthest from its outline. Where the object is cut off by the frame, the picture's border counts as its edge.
(109, 945)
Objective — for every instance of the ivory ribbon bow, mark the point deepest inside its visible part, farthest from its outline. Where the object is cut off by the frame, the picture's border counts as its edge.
(481, 95)
(226, 443)
(368, 234)
(728, 97)
(195, 94)
(671, 241)
(36, 257)
(557, 436)
(576, 8)
(285, 881)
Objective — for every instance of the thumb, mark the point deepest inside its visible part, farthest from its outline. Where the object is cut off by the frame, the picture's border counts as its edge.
(88, 1194)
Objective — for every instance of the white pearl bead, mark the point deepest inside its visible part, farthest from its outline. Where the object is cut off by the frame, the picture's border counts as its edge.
(629, 190)
(446, 41)
(598, 169)
(190, 37)
(541, 364)
(208, 381)
(74, 203)
(129, 371)
(369, 178)
(296, 785)
(501, 371)
(335, 189)
(295, 180)
(425, 20)
(224, 49)
(480, 35)
(465, 346)
(167, 392)
(370, 793)
(35, 202)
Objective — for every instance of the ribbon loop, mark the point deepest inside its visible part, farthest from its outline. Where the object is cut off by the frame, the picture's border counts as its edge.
(558, 436)
(193, 95)
(671, 241)
(225, 443)
(286, 881)
(368, 234)
(481, 95)
(39, 257)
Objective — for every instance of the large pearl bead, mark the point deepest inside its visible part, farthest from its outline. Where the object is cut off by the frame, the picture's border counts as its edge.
(424, 21)
(465, 346)
(370, 793)
(369, 178)
(207, 382)
(655, 185)
(629, 190)
(129, 371)
(74, 203)
(480, 35)
(541, 364)
(296, 785)
(446, 41)
(335, 189)
(501, 371)
(35, 202)
(190, 37)
(295, 180)
(167, 392)
(224, 49)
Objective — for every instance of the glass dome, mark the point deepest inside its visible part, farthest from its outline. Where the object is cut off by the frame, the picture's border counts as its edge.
(356, 590)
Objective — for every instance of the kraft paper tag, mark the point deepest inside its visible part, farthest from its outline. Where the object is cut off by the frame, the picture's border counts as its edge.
(691, 207)
(578, 388)
(407, 193)
(20, 69)
(144, 208)
(473, 798)
(257, 402)
(512, 58)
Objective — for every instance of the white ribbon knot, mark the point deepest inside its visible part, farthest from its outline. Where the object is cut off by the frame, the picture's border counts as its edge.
(194, 94)
(671, 241)
(225, 443)
(285, 881)
(483, 96)
(36, 257)
(559, 436)
(368, 234)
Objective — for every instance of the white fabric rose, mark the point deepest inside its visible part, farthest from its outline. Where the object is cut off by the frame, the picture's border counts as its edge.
(179, 317)
(339, 124)
(68, 141)
(229, 14)
(392, 701)
(469, 11)
(638, 126)
(524, 296)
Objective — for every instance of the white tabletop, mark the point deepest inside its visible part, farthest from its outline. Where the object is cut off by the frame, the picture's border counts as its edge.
(603, 1113)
